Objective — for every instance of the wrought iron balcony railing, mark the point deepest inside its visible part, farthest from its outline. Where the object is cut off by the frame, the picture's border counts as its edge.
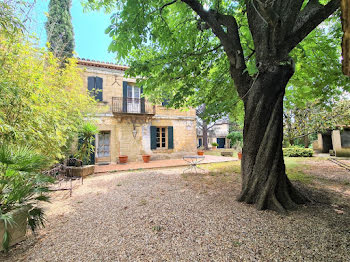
(123, 105)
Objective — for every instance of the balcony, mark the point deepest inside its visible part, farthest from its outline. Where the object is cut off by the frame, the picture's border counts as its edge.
(132, 106)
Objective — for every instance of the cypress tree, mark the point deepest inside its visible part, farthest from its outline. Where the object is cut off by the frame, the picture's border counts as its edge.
(59, 28)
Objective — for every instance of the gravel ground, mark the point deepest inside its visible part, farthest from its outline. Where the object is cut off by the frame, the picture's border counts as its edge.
(329, 170)
(160, 215)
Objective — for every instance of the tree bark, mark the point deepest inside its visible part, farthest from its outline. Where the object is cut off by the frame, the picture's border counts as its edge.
(306, 141)
(205, 135)
(264, 179)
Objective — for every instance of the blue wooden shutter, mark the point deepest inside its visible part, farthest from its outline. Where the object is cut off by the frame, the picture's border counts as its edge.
(125, 96)
(91, 85)
(99, 88)
(153, 137)
(143, 109)
(170, 137)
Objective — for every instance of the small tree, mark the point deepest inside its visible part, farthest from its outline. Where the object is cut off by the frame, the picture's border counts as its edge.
(86, 142)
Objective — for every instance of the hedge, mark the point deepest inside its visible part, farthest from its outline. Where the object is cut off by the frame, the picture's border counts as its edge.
(297, 152)
(342, 153)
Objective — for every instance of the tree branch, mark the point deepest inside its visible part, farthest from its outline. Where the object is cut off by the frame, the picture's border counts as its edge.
(230, 41)
(309, 18)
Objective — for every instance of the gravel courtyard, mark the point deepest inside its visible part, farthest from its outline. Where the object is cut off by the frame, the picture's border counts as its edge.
(162, 215)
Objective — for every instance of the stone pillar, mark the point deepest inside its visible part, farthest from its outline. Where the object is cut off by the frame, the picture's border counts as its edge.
(336, 140)
(320, 142)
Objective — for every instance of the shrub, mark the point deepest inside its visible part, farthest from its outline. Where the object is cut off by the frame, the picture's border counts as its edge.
(297, 152)
(235, 137)
(342, 153)
(22, 185)
(214, 144)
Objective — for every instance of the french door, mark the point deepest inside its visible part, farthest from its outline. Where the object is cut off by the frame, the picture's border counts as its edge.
(133, 99)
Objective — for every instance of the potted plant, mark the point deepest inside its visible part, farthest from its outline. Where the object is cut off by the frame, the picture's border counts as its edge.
(214, 145)
(123, 159)
(146, 158)
(81, 165)
(22, 187)
(200, 151)
(239, 149)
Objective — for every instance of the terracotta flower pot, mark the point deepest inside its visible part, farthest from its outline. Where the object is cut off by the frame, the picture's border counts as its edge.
(213, 147)
(146, 158)
(200, 152)
(239, 155)
(123, 159)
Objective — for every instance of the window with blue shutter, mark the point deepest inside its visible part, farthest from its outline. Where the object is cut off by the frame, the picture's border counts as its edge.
(125, 96)
(170, 137)
(95, 87)
(153, 137)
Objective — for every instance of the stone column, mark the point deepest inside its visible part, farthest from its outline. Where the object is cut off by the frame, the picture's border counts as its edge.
(336, 140)
(320, 142)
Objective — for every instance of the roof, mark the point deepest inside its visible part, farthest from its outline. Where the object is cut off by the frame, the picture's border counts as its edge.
(88, 62)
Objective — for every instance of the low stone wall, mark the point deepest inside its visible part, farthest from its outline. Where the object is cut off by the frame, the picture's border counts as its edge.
(83, 171)
(18, 229)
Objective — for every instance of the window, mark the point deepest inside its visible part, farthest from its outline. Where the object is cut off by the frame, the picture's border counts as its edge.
(95, 87)
(103, 144)
(162, 137)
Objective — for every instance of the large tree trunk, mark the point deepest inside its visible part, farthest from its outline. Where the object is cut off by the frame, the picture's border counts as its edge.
(264, 180)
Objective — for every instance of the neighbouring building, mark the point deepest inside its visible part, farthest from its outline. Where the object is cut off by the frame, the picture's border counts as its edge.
(217, 132)
(333, 140)
(129, 124)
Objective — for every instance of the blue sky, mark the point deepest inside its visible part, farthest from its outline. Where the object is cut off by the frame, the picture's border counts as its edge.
(90, 40)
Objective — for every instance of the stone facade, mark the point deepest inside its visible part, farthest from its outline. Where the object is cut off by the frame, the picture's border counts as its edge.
(130, 133)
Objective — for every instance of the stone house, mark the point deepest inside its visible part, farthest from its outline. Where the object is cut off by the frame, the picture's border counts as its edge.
(333, 140)
(217, 132)
(129, 124)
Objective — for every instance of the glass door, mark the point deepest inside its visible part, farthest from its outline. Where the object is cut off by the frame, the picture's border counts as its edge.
(134, 105)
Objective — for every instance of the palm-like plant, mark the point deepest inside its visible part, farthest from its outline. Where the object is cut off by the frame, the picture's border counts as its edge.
(22, 184)
(86, 139)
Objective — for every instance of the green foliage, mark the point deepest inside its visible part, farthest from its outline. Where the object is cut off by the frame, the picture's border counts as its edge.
(9, 24)
(297, 152)
(22, 185)
(314, 98)
(59, 28)
(42, 104)
(342, 153)
(235, 137)
(86, 138)
(214, 144)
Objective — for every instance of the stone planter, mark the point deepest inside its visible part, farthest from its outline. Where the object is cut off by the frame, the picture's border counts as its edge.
(200, 152)
(18, 229)
(123, 159)
(82, 171)
(146, 158)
